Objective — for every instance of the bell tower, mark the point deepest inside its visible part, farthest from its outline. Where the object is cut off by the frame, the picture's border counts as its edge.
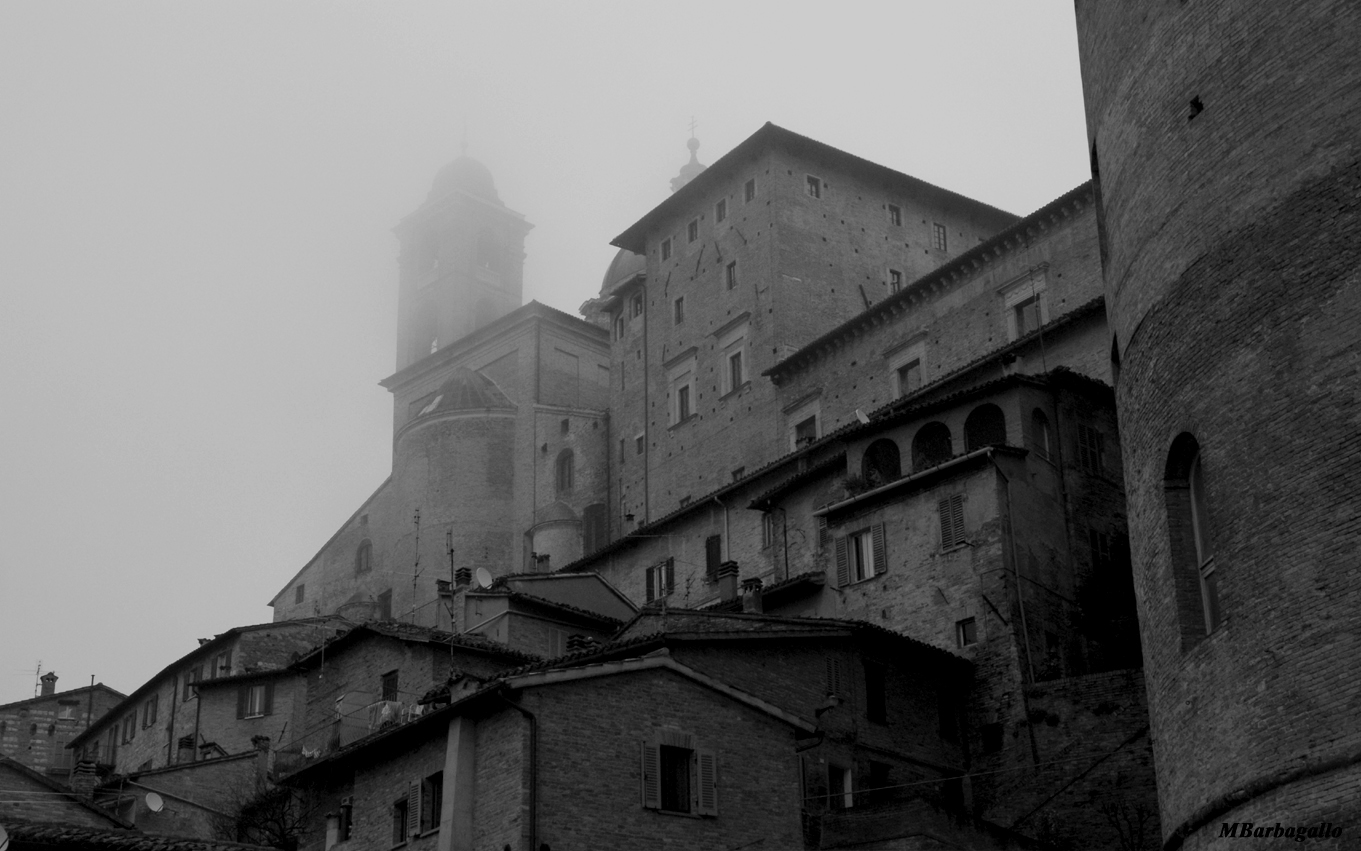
(461, 263)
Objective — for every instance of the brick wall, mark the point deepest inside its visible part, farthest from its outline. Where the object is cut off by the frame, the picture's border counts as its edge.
(35, 733)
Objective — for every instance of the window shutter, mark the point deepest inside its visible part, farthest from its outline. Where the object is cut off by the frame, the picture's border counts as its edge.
(652, 786)
(951, 510)
(413, 809)
(824, 535)
(833, 675)
(269, 698)
(226, 665)
(957, 516)
(242, 693)
(670, 575)
(877, 537)
(843, 568)
(708, 783)
(651, 587)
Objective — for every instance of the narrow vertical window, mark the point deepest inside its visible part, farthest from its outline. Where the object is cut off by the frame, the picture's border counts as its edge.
(692, 230)
(749, 191)
(1191, 550)
(678, 310)
(683, 403)
(951, 511)
(1205, 559)
(721, 210)
(813, 186)
(731, 275)
(938, 236)
(895, 215)
(666, 248)
(895, 280)
(565, 469)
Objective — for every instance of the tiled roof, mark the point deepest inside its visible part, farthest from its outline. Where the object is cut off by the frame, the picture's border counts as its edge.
(813, 578)
(566, 607)
(94, 839)
(417, 635)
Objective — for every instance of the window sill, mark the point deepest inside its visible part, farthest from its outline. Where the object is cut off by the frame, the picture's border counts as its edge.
(682, 422)
(955, 548)
(431, 832)
(661, 812)
(735, 392)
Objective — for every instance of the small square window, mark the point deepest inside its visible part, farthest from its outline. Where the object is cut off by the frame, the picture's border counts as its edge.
(666, 248)
(737, 473)
(678, 310)
(692, 230)
(895, 215)
(749, 191)
(731, 275)
(813, 186)
(721, 210)
(966, 632)
(895, 280)
(938, 236)
(636, 304)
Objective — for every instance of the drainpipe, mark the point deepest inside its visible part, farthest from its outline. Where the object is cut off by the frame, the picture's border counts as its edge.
(1020, 602)
(533, 768)
(170, 751)
(647, 448)
(784, 531)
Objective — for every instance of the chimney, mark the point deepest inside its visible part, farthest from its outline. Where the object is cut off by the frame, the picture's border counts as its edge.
(463, 577)
(49, 680)
(751, 596)
(727, 581)
(84, 778)
(578, 642)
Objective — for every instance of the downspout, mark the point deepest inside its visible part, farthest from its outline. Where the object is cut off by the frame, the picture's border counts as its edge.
(533, 768)
(198, 713)
(170, 751)
(528, 559)
(647, 372)
(784, 530)
(1020, 602)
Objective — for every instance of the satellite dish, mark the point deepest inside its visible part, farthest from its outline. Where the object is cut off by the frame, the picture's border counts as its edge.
(4, 839)
(154, 802)
(483, 577)
(860, 415)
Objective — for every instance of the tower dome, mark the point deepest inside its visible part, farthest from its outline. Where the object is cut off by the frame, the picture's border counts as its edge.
(690, 170)
(625, 266)
(465, 174)
(466, 390)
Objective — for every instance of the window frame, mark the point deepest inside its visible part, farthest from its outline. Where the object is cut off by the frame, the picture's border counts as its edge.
(749, 191)
(720, 211)
(678, 310)
(699, 768)
(950, 510)
(389, 685)
(666, 249)
(635, 305)
(692, 231)
(813, 186)
(564, 472)
(966, 632)
(861, 555)
(895, 215)
(940, 237)
(660, 580)
(730, 275)
(895, 281)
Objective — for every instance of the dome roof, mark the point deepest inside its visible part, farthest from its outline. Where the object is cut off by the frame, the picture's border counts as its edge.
(466, 390)
(467, 175)
(624, 266)
(555, 513)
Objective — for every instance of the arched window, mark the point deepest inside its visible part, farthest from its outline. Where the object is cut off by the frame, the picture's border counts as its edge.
(1039, 434)
(880, 463)
(985, 427)
(363, 557)
(1191, 545)
(564, 471)
(931, 446)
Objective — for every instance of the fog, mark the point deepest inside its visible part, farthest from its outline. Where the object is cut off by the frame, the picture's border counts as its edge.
(199, 273)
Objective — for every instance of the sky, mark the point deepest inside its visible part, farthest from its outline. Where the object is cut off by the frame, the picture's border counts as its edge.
(199, 272)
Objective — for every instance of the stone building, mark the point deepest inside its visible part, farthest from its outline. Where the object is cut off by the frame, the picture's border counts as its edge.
(35, 732)
(1225, 142)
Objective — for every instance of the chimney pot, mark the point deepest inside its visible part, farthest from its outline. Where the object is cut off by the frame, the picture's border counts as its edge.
(49, 681)
(751, 595)
(463, 577)
(727, 581)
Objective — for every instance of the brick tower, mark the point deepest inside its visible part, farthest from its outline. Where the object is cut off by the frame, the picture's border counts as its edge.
(1225, 140)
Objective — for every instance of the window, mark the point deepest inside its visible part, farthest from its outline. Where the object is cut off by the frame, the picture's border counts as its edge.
(1024, 304)
(346, 821)
(731, 275)
(692, 230)
(681, 377)
(595, 533)
(1192, 545)
(619, 326)
(813, 186)
(966, 632)
(909, 377)
(769, 529)
(736, 374)
(907, 368)
(400, 812)
(805, 431)
(836, 675)
(678, 310)
(985, 426)
(563, 470)
(938, 236)
(1027, 315)
(255, 701)
(895, 280)
(881, 463)
(931, 445)
(1099, 544)
(191, 676)
(66, 711)
(636, 304)
(1039, 433)
(129, 728)
(299, 593)
(638, 445)
(661, 580)
(565, 426)
(363, 558)
(679, 777)
(222, 665)
(1200, 522)
(149, 711)
(895, 215)
(721, 210)
(876, 705)
(951, 510)
(432, 795)
(738, 472)
(385, 605)
(713, 556)
(683, 403)
(749, 191)
(666, 248)
(622, 454)
(1091, 446)
(839, 787)
(860, 555)
(388, 686)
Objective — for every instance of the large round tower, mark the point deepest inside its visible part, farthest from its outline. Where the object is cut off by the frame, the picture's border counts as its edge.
(1225, 140)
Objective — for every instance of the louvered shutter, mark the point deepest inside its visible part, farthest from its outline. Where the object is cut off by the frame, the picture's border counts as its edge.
(833, 675)
(242, 693)
(824, 534)
(670, 575)
(652, 784)
(957, 517)
(843, 567)
(877, 537)
(708, 783)
(413, 809)
(651, 588)
(269, 698)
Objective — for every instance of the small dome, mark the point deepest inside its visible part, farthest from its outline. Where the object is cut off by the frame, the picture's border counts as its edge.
(624, 266)
(555, 513)
(465, 174)
(466, 390)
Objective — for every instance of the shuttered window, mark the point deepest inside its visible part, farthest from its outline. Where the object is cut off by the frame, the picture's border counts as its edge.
(432, 793)
(1091, 445)
(661, 579)
(678, 777)
(861, 555)
(836, 675)
(951, 510)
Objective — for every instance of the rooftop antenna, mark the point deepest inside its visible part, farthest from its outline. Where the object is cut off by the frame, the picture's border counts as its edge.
(416, 568)
(38, 679)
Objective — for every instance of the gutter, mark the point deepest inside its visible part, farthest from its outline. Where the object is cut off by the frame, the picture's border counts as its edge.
(912, 479)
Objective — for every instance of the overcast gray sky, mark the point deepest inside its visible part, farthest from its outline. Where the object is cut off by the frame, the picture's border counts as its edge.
(198, 269)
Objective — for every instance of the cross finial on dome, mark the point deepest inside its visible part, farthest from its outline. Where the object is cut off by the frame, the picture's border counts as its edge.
(692, 168)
